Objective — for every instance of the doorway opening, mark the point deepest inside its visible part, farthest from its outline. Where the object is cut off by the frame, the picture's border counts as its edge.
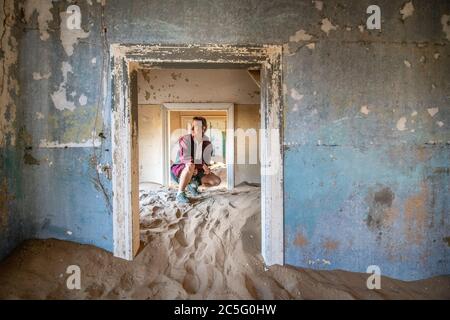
(127, 61)
(161, 125)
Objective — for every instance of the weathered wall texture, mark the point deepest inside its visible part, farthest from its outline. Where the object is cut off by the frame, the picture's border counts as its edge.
(64, 153)
(11, 134)
(191, 85)
(366, 127)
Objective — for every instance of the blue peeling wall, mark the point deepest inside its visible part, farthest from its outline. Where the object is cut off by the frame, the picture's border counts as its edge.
(366, 129)
(67, 187)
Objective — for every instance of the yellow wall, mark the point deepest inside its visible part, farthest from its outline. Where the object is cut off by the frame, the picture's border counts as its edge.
(150, 143)
(246, 117)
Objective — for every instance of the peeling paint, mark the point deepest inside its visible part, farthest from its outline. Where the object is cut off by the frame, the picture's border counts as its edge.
(407, 10)
(401, 124)
(407, 63)
(70, 37)
(341, 87)
(39, 115)
(433, 111)
(60, 97)
(82, 100)
(84, 144)
(440, 123)
(300, 35)
(296, 95)
(319, 261)
(39, 76)
(105, 169)
(365, 110)
(318, 5)
(44, 15)
(9, 84)
(327, 26)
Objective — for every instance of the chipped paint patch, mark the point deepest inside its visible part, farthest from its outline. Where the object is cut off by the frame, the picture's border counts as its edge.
(83, 144)
(440, 123)
(361, 28)
(319, 261)
(39, 76)
(59, 97)
(318, 5)
(105, 169)
(407, 63)
(445, 21)
(70, 37)
(82, 100)
(407, 10)
(94, 60)
(414, 113)
(433, 111)
(300, 35)
(401, 124)
(44, 15)
(39, 116)
(436, 56)
(311, 46)
(296, 95)
(365, 110)
(327, 26)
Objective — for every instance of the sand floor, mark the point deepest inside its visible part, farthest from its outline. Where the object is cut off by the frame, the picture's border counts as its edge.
(207, 250)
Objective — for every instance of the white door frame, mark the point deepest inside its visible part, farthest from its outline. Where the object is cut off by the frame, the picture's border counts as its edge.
(126, 60)
(201, 106)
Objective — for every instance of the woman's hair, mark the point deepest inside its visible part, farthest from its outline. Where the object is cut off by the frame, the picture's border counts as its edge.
(203, 120)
